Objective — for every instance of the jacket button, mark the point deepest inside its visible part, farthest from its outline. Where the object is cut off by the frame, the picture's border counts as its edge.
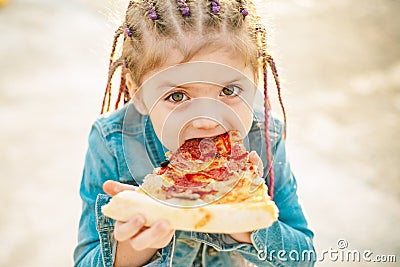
(212, 251)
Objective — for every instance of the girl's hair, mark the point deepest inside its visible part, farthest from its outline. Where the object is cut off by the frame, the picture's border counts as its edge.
(152, 27)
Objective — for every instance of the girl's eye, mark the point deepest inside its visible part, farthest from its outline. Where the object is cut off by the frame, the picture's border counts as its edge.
(231, 90)
(177, 97)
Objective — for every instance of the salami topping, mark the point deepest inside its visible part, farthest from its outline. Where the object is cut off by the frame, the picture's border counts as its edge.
(218, 174)
(208, 149)
(190, 149)
(239, 152)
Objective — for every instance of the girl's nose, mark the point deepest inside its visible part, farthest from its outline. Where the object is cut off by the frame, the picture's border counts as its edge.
(204, 123)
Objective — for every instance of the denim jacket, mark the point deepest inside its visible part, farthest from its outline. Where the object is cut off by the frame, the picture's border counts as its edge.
(124, 147)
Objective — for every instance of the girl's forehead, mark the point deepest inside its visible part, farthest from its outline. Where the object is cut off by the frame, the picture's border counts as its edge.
(211, 72)
(210, 66)
(171, 51)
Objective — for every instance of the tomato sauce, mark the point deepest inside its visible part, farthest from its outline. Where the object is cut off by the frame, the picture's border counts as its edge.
(227, 142)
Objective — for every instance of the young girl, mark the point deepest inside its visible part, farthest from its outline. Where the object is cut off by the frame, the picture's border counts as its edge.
(189, 69)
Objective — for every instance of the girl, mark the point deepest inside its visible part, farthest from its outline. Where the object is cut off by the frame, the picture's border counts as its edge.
(190, 69)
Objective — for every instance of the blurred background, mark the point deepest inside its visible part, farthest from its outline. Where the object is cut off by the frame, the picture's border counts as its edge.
(339, 61)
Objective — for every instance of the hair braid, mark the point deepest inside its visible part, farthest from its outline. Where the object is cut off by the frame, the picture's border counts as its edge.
(234, 19)
(119, 94)
(213, 14)
(125, 30)
(272, 65)
(122, 88)
(107, 95)
(260, 29)
(266, 130)
(118, 33)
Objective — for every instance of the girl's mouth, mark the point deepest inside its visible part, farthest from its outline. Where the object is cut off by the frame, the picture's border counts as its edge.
(209, 136)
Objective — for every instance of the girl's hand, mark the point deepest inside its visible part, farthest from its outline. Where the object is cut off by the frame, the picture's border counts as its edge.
(133, 232)
(112, 187)
(242, 237)
(256, 160)
(139, 237)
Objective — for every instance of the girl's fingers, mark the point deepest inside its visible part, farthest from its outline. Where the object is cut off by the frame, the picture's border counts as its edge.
(256, 160)
(152, 236)
(254, 157)
(163, 241)
(126, 230)
(112, 187)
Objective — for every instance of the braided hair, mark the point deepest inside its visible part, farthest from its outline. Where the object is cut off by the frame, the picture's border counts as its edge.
(151, 27)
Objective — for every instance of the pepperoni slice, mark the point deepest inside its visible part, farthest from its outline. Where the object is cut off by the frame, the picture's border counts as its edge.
(188, 181)
(191, 147)
(218, 174)
(239, 152)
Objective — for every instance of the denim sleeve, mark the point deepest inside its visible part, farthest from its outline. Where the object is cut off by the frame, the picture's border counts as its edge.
(100, 165)
(288, 242)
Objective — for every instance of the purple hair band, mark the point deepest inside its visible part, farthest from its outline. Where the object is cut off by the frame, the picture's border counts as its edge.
(128, 31)
(183, 8)
(243, 9)
(150, 9)
(260, 53)
(215, 7)
(124, 63)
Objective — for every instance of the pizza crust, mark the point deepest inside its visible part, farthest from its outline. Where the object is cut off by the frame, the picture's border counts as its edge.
(211, 218)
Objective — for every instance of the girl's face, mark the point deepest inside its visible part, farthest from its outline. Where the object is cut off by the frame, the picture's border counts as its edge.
(211, 94)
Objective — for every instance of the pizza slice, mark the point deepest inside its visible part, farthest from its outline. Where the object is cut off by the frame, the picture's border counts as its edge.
(207, 185)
